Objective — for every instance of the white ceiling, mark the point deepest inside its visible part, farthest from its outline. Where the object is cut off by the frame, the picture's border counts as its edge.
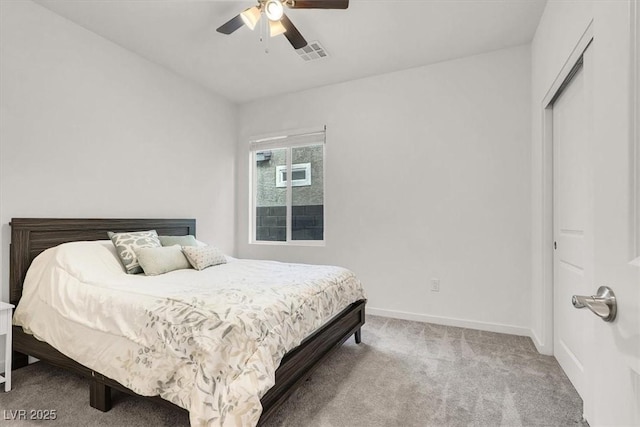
(371, 37)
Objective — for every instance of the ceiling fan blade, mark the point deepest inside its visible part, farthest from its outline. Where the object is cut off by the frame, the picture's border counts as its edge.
(320, 4)
(292, 34)
(232, 25)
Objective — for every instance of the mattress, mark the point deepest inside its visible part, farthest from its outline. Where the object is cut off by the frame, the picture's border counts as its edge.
(209, 341)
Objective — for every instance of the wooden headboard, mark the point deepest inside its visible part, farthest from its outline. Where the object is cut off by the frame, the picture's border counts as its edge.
(31, 236)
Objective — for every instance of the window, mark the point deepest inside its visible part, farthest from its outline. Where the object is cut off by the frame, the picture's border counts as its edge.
(301, 174)
(283, 210)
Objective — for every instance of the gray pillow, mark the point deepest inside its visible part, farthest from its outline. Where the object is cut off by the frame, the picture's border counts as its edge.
(127, 243)
(201, 257)
(161, 260)
(187, 240)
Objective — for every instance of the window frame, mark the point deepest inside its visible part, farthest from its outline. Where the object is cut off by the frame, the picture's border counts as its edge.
(287, 140)
(306, 167)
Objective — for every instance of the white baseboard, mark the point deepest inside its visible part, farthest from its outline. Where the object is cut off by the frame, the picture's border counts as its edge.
(542, 349)
(450, 321)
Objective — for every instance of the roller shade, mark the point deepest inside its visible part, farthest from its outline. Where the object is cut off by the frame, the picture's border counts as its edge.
(293, 139)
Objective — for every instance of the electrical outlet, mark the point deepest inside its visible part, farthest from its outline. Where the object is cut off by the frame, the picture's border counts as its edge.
(435, 285)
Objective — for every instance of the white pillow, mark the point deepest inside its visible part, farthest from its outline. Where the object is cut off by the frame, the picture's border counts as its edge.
(155, 261)
(187, 240)
(89, 259)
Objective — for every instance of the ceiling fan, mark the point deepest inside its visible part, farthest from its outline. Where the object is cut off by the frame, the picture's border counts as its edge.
(278, 22)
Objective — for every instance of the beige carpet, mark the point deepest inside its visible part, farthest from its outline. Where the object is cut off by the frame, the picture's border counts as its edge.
(403, 374)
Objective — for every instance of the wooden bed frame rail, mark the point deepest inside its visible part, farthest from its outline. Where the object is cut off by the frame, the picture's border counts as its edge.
(31, 236)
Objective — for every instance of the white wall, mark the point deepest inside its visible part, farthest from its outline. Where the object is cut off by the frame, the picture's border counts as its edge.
(427, 175)
(89, 129)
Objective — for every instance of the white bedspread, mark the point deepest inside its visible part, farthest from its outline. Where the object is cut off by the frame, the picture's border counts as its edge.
(208, 341)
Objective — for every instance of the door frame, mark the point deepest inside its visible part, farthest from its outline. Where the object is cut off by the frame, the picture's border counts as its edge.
(635, 120)
(546, 340)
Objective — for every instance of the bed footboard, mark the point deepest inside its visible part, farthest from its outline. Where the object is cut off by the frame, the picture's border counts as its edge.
(298, 364)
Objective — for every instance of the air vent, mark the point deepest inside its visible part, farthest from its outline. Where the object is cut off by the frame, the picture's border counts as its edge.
(313, 51)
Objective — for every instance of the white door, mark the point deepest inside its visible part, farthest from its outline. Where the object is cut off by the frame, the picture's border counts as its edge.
(572, 229)
(613, 359)
(597, 219)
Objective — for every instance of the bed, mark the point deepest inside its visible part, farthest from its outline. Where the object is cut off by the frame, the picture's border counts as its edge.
(30, 237)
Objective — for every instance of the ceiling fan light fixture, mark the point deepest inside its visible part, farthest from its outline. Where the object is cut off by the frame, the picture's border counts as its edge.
(251, 16)
(276, 28)
(274, 10)
(279, 22)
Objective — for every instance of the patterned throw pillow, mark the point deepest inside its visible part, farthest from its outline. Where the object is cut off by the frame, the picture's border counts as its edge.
(127, 243)
(202, 257)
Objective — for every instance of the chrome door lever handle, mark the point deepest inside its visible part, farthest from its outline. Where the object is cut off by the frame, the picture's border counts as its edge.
(603, 304)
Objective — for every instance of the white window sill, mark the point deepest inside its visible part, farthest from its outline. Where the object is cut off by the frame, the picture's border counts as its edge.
(310, 243)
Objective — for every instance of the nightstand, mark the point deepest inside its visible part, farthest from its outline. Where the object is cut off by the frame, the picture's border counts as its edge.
(5, 334)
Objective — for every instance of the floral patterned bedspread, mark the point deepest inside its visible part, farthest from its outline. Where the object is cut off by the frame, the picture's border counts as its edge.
(208, 341)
